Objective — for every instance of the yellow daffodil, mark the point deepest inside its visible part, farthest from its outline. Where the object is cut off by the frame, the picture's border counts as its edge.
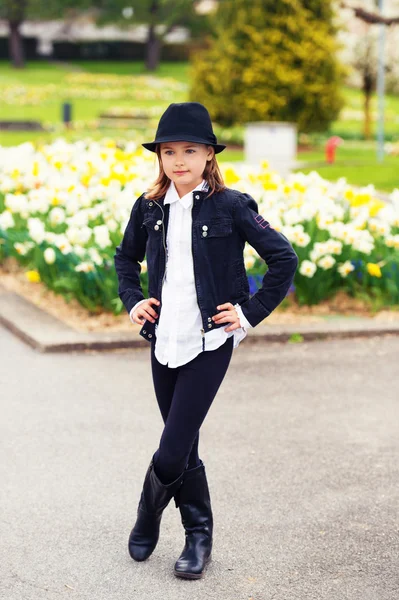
(374, 270)
(375, 207)
(299, 187)
(230, 176)
(33, 276)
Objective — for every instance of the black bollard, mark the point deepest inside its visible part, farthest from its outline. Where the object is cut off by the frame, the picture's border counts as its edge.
(67, 114)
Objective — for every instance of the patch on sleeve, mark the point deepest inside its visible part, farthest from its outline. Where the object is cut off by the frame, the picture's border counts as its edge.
(262, 222)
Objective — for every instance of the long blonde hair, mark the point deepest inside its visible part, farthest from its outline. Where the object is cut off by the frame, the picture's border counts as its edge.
(211, 174)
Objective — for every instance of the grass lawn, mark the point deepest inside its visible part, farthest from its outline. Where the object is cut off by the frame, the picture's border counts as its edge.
(358, 163)
(350, 123)
(45, 106)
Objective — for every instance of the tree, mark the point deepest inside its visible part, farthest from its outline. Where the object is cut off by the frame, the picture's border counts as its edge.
(272, 60)
(370, 17)
(15, 12)
(154, 13)
(167, 14)
(365, 62)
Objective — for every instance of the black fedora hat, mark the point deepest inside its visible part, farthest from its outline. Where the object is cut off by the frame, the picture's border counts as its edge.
(185, 122)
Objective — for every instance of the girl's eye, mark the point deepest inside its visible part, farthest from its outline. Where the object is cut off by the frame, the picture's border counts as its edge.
(188, 150)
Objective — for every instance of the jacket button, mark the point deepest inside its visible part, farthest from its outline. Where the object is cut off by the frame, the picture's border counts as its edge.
(205, 227)
(204, 234)
(197, 197)
(150, 335)
(209, 325)
(156, 227)
(209, 319)
(150, 204)
(144, 331)
(159, 222)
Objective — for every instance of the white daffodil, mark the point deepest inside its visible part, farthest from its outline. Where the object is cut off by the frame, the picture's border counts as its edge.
(333, 246)
(250, 251)
(49, 256)
(249, 261)
(85, 267)
(101, 236)
(17, 203)
(392, 241)
(22, 248)
(36, 230)
(6, 220)
(345, 268)
(79, 250)
(95, 256)
(57, 216)
(307, 268)
(79, 235)
(301, 239)
(63, 244)
(326, 262)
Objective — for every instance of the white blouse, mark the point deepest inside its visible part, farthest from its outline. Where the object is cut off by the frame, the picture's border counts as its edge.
(178, 332)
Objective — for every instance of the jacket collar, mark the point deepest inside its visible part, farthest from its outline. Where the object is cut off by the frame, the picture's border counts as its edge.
(186, 200)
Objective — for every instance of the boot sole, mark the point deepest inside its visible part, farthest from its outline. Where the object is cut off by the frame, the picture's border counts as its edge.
(188, 575)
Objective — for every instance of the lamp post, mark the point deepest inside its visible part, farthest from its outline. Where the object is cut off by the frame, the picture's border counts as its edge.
(381, 86)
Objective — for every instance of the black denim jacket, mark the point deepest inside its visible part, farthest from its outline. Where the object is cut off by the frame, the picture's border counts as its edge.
(221, 224)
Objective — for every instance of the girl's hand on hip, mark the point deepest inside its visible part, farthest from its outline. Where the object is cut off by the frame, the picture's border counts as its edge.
(145, 311)
(229, 315)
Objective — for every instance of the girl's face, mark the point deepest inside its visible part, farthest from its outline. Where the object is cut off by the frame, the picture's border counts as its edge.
(184, 163)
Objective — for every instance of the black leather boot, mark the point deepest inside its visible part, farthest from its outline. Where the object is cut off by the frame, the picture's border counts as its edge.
(194, 502)
(155, 497)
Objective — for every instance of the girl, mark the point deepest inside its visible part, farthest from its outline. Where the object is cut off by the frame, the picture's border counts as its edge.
(192, 230)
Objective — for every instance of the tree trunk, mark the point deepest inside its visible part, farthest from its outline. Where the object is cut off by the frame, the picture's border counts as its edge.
(367, 116)
(153, 50)
(15, 45)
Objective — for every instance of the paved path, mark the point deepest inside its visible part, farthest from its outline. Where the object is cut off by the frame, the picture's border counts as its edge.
(301, 449)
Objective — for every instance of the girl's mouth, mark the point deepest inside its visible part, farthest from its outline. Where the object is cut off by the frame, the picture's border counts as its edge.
(180, 172)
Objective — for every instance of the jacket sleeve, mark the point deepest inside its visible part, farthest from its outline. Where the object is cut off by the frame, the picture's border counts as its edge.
(276, 251)
(127, 258)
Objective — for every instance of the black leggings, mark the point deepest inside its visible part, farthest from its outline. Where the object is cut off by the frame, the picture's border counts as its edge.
(184, 395)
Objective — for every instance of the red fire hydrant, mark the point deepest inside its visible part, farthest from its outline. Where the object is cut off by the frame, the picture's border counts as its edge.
(331, 147)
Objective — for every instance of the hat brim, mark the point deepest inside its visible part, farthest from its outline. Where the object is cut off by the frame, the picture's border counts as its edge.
(152, 145)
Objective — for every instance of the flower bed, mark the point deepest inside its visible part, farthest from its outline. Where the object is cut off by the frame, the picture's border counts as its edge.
(64, 207)
(95, 86)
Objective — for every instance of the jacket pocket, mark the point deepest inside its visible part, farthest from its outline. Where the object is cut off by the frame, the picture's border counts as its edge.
(215, 228)
(153, 225)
